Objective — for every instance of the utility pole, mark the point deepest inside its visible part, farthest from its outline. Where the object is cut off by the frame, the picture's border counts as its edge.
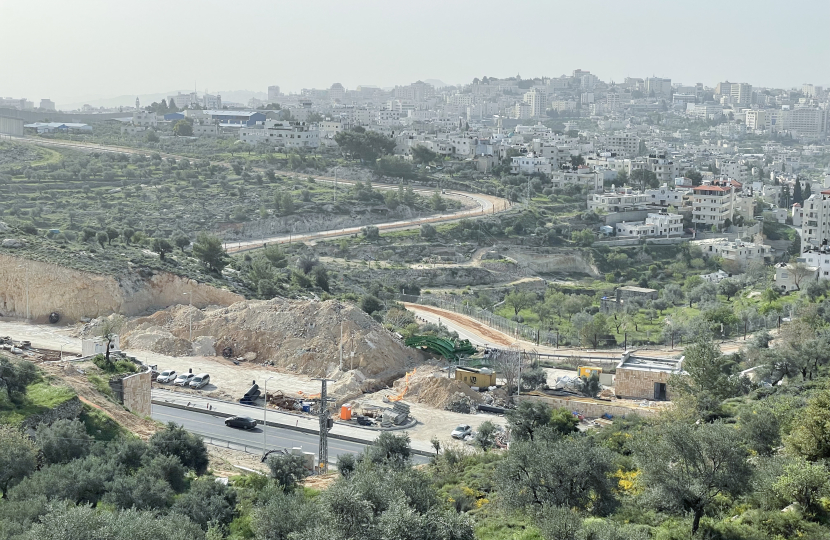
(325, 419)
(341, 346)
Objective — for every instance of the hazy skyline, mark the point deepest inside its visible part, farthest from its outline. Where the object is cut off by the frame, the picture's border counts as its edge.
(88, 49)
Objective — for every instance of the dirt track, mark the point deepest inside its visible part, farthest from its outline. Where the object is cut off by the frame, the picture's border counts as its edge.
(490, 334)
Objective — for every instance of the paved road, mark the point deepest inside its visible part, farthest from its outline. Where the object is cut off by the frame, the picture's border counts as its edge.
(210, 426)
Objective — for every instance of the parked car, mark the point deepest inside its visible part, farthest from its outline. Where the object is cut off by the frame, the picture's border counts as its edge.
(183, 379)
(461, 431)
(241, 422)
(166, 376)
(200, 380)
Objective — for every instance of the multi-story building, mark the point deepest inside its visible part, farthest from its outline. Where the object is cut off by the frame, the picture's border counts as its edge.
(806, 122)
(281, 133)
(618, 200)
(713, 204)
(665, 196)
(145, 119)
(755, 119)
(210, 101)
(664, 168)
(530, 164)
(583, 177)
(815, 224)
(661, 87)
(741, 253)
(273, 94)
(522, 111)
(182, 101)
(622, 144)
(47, 105)
(659, 224)
(417, 91)
(537, 98)
(337, 93)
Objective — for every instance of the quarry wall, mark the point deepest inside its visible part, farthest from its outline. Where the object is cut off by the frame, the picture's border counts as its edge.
(75, 294)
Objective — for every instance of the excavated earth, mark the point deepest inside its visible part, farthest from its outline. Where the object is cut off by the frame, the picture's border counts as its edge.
(299, 336)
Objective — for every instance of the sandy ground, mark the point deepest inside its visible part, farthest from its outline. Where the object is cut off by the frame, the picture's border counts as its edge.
(229, 381)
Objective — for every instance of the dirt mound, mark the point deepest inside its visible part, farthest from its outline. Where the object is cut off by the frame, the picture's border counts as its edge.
(299, 336)
(433, 388)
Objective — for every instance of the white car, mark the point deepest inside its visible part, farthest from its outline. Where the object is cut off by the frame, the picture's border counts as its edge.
(183, 379)
(461, 431)
(166, 376)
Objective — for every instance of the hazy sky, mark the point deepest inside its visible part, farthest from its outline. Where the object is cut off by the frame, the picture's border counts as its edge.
(73, 50)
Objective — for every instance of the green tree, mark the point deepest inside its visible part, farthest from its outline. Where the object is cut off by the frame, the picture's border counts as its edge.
(573, 472)
(112, 234)
(162, 246)
(63, 441)
(321, 278)
(643, 179)
(128, 235)
(207, 502)
(209, 250)
(584, 237)
(518, 300)
(138, 492)
(729, 288)
(364, 145)
(183, 128)
(102, 238)
(423, 155)
(428, 231)
(370, 232)
(370, 304)
(804, 482)
(287, 469)
(708, 374)
(174, 440)
(811, 436)
(181, 241)
(686, 467)
(798, 197)
(275, 256)
(18, 457)
(485, 435)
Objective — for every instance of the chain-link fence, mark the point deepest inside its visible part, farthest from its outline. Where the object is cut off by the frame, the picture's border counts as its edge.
(670, 333)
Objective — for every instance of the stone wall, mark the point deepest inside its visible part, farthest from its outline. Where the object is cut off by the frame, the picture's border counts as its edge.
(75, 294)
(587, 407)
(67, 410)
(137, 397)
(639, 383)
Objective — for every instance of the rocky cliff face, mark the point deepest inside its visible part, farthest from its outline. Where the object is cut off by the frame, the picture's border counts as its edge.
(75, 294)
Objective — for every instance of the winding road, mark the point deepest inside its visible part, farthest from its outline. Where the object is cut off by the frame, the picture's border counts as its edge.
(483, 204)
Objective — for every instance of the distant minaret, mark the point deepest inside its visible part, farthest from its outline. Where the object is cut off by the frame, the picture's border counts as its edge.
(137, 104)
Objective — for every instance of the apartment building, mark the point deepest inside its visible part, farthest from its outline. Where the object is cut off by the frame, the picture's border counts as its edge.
(742, 253)
(661, 87)
(537, 99)
(815, 225)
(665, 196)
(282, 133)
(530, 164)
(583, 177)
(713, 204)
(664, 168)
(655, 225)
(622, 144)
(617, 200)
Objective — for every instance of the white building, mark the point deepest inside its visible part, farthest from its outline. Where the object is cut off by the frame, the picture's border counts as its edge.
(742, 253)
(537, 98)
(661, 87)
(337, 93)
(273, 94)
(622, 144)
(665, 196)
(617, 200)
(713, 205)
(145, 119)
(655, 225)
(789, 277)
(584, 177)
(815, 225)
(530, 164)
(281, 133)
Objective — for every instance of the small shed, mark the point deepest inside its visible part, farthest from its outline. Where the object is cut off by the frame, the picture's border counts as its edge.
(643, 377)
(481, 377)
(98, 345)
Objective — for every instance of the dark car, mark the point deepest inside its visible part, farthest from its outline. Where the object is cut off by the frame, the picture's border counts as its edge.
(241, 422)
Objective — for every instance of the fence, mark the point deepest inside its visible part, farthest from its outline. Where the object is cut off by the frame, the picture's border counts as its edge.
(671, 335)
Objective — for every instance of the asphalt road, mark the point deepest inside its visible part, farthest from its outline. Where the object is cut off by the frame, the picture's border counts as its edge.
(276, 439)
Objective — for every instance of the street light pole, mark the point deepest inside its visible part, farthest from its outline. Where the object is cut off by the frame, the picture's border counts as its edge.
(265, 416)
